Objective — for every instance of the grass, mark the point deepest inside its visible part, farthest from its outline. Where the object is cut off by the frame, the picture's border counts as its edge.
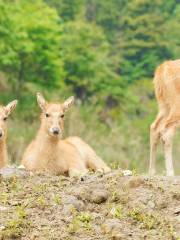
(148, 221)
(80, 220)
(15, 227)
(117, 212)
(57, 199)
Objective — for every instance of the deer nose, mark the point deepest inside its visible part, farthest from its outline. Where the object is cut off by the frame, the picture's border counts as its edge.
(55, 131)
(1, 133)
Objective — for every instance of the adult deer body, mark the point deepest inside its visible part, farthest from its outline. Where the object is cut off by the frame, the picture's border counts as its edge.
(4, 113)
(167, 90)
(48, 152)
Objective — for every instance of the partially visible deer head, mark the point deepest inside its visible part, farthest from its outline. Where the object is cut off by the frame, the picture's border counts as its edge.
(5, 111)
(52, 117)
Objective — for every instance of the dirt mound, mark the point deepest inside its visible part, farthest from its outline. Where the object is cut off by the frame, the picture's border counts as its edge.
(97, 206)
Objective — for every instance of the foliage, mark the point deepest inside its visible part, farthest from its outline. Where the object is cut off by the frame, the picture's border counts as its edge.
(29, 45)
(87, 64)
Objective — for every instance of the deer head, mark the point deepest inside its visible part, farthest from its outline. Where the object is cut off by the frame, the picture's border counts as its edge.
(5, 111)
(52, 116)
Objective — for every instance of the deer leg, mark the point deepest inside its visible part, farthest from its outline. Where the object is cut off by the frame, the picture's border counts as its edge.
(154, 138)
(95, 163)
(167, 137)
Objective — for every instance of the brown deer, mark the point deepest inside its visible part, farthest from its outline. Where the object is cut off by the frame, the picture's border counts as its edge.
(4, 113)
(48, 152)
(167, 90)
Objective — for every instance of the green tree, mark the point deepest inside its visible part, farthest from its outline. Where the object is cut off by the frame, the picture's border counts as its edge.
(172, 35)
(141, 43)
(29, 42)
(67, 9)
(106, 14)
(87, 62)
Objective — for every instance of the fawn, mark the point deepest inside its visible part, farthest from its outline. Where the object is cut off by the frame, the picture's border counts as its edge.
(167, 90)
(4, 113)
(49, 152)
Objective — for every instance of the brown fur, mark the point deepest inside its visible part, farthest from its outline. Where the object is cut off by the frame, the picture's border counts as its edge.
(47, 152)
(167, 90)
(4, 113)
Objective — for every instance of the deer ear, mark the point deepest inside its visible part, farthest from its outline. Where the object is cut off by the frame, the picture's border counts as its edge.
(41, 101)
(10, 107)
(68, 103)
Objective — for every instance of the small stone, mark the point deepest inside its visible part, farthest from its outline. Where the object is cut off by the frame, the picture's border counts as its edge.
(176, 195)
(3, 208)
(2, 227)
(118, 236)
(177, 211)
(127, 172)
(151, 204)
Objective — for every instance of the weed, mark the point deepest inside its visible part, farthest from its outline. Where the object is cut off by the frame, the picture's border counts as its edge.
(41, 201)
(40, 188)
(117, 212)
(57, 199)
(14, 228)
(148, 221)
(83, 220)
(4, 197)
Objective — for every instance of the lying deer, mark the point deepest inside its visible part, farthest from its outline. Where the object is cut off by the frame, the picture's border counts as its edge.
(4, 113)
(167, 90)
(49, 152)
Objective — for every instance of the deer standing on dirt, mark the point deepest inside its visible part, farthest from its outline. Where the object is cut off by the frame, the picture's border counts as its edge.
(167, 90)
(4, 113)
(48, 152)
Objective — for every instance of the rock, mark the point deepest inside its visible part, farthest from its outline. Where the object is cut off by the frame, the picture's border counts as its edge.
(110, 225)
(98, 196)
(161, 203)
(176, 195)
(113, 228)
(151, 204)
(136, 182)
(71, 202)
(9, 172)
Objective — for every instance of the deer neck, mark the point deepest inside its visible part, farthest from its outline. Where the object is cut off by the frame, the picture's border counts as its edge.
(3, 153)
(46, 140)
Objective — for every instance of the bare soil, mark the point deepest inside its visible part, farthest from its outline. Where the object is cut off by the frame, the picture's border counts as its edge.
(95, 207)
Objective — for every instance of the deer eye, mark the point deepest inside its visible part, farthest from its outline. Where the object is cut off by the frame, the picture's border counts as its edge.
(62, 116)
(5, 118)
(47, 115)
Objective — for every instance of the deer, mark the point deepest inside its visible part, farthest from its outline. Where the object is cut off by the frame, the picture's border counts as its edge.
(50, 152)
(5, 111)
(167, 91)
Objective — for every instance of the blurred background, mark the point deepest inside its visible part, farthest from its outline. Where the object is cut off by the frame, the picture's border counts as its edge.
(102, 52)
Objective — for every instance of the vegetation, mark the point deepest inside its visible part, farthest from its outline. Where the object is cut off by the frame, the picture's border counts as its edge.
(102, 52)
